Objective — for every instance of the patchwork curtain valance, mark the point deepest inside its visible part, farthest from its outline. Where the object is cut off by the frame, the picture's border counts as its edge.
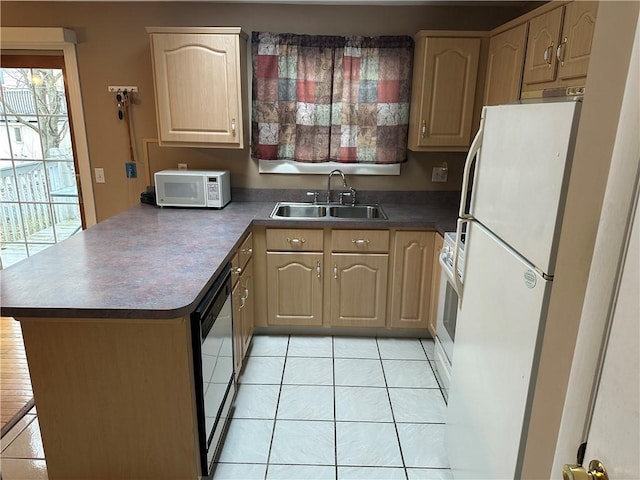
(330, 98)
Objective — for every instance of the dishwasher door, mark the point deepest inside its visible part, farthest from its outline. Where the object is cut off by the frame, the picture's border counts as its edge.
(213, 366)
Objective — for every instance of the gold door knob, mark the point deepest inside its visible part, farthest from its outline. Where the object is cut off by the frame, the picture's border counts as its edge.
(578, 472)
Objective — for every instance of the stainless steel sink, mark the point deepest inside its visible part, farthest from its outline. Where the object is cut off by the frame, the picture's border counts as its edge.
(298, 210)
(313, 211)
(357, 211)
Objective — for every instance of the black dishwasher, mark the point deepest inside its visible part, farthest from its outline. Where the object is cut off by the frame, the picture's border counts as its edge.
(212, 336)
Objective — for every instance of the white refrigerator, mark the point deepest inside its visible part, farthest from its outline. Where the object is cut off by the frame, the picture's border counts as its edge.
(513, 220)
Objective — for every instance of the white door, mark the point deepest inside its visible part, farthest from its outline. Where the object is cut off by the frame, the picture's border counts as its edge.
(497, 339)
(615, 424)
(603, 400)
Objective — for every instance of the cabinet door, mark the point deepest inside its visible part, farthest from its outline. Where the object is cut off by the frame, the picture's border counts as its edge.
(198, 98)
(504, 66)
(238, 351)
(544, 36)
(294, 288)
(444, 90)
(246, 282)
(411, 286)
(577, 34)
(435, 285)
(359, 289)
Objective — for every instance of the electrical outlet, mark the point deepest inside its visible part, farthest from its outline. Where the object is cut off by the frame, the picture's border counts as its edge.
(99, 173)
(182, 166)
(131, 170)
(439, 174)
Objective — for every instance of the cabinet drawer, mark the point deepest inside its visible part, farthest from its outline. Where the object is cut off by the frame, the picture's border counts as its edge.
(360, 241)
(294, 240)
(245, 251)
(240, 259)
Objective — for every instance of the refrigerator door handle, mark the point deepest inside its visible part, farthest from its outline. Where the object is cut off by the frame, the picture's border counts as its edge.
(456, 278)
(473, 150)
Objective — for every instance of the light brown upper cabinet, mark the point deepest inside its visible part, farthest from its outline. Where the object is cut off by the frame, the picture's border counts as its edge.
(504, 66)
(443, 92)
(198, 78)
(559, 46)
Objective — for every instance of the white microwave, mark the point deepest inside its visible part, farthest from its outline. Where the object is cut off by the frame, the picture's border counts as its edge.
(193, 188)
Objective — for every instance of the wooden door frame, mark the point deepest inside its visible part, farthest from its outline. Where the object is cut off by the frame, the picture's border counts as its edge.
(64, 40)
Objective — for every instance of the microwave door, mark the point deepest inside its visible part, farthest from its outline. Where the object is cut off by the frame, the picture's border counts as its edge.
(182, 191)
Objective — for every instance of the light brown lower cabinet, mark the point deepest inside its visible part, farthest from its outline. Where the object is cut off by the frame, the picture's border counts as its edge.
(410, 292)
(294, 288)
(359, 289)
(242, 300)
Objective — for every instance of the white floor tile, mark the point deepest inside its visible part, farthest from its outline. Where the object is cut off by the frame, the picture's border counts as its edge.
(429, 346)
(269, 345)
(418, 405)
(28, 444)
(300, 472)
(247, 441)
(367, 444)
(308, 371)
(355, 347)
(370, 473)
(429, 474)
(256, 401)
(358, 372)
(15, 430)
(240, 471)
(303, 443)
(423, 445)
(362, 404)
(306, 402)
(401, 349)
(409, 373)
(23, 469)
(263, 370)
(310, 346)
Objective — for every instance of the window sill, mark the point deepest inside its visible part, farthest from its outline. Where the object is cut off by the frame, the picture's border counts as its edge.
(297, 168)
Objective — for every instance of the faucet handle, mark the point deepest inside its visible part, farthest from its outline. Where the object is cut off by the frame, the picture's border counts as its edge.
(353, 195)
(341, 196)
(314, 195)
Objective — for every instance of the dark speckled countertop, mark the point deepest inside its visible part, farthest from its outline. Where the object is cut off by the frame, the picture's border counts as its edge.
(149, 262)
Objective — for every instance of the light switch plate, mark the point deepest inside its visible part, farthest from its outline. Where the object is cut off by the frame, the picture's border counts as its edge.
(99, 173)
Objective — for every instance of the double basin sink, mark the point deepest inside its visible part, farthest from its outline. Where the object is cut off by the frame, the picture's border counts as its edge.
(310, 211)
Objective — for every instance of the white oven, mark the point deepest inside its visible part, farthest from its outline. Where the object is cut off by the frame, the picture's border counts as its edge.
(447, 310)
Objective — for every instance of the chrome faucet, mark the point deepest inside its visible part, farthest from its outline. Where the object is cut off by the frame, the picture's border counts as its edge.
(344, 182)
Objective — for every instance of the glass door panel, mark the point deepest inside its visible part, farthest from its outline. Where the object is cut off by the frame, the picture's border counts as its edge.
(39, 194)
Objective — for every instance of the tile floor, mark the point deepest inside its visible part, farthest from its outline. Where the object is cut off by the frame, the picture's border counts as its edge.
(313, 408)
(336, 407)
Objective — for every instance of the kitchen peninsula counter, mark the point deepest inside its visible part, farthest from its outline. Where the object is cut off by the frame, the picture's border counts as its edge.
(148, 262)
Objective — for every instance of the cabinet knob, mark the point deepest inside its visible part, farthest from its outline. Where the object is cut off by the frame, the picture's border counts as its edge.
(318, 269)
(423, 130)
(360, 243)
(560, 51)
(233, 127)
(238, 270)
(335, 271)
(547, 55)
(296, 242)
(247, 251)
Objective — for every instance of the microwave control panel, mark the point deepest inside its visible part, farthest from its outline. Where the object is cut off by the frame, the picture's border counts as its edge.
(213, 188)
